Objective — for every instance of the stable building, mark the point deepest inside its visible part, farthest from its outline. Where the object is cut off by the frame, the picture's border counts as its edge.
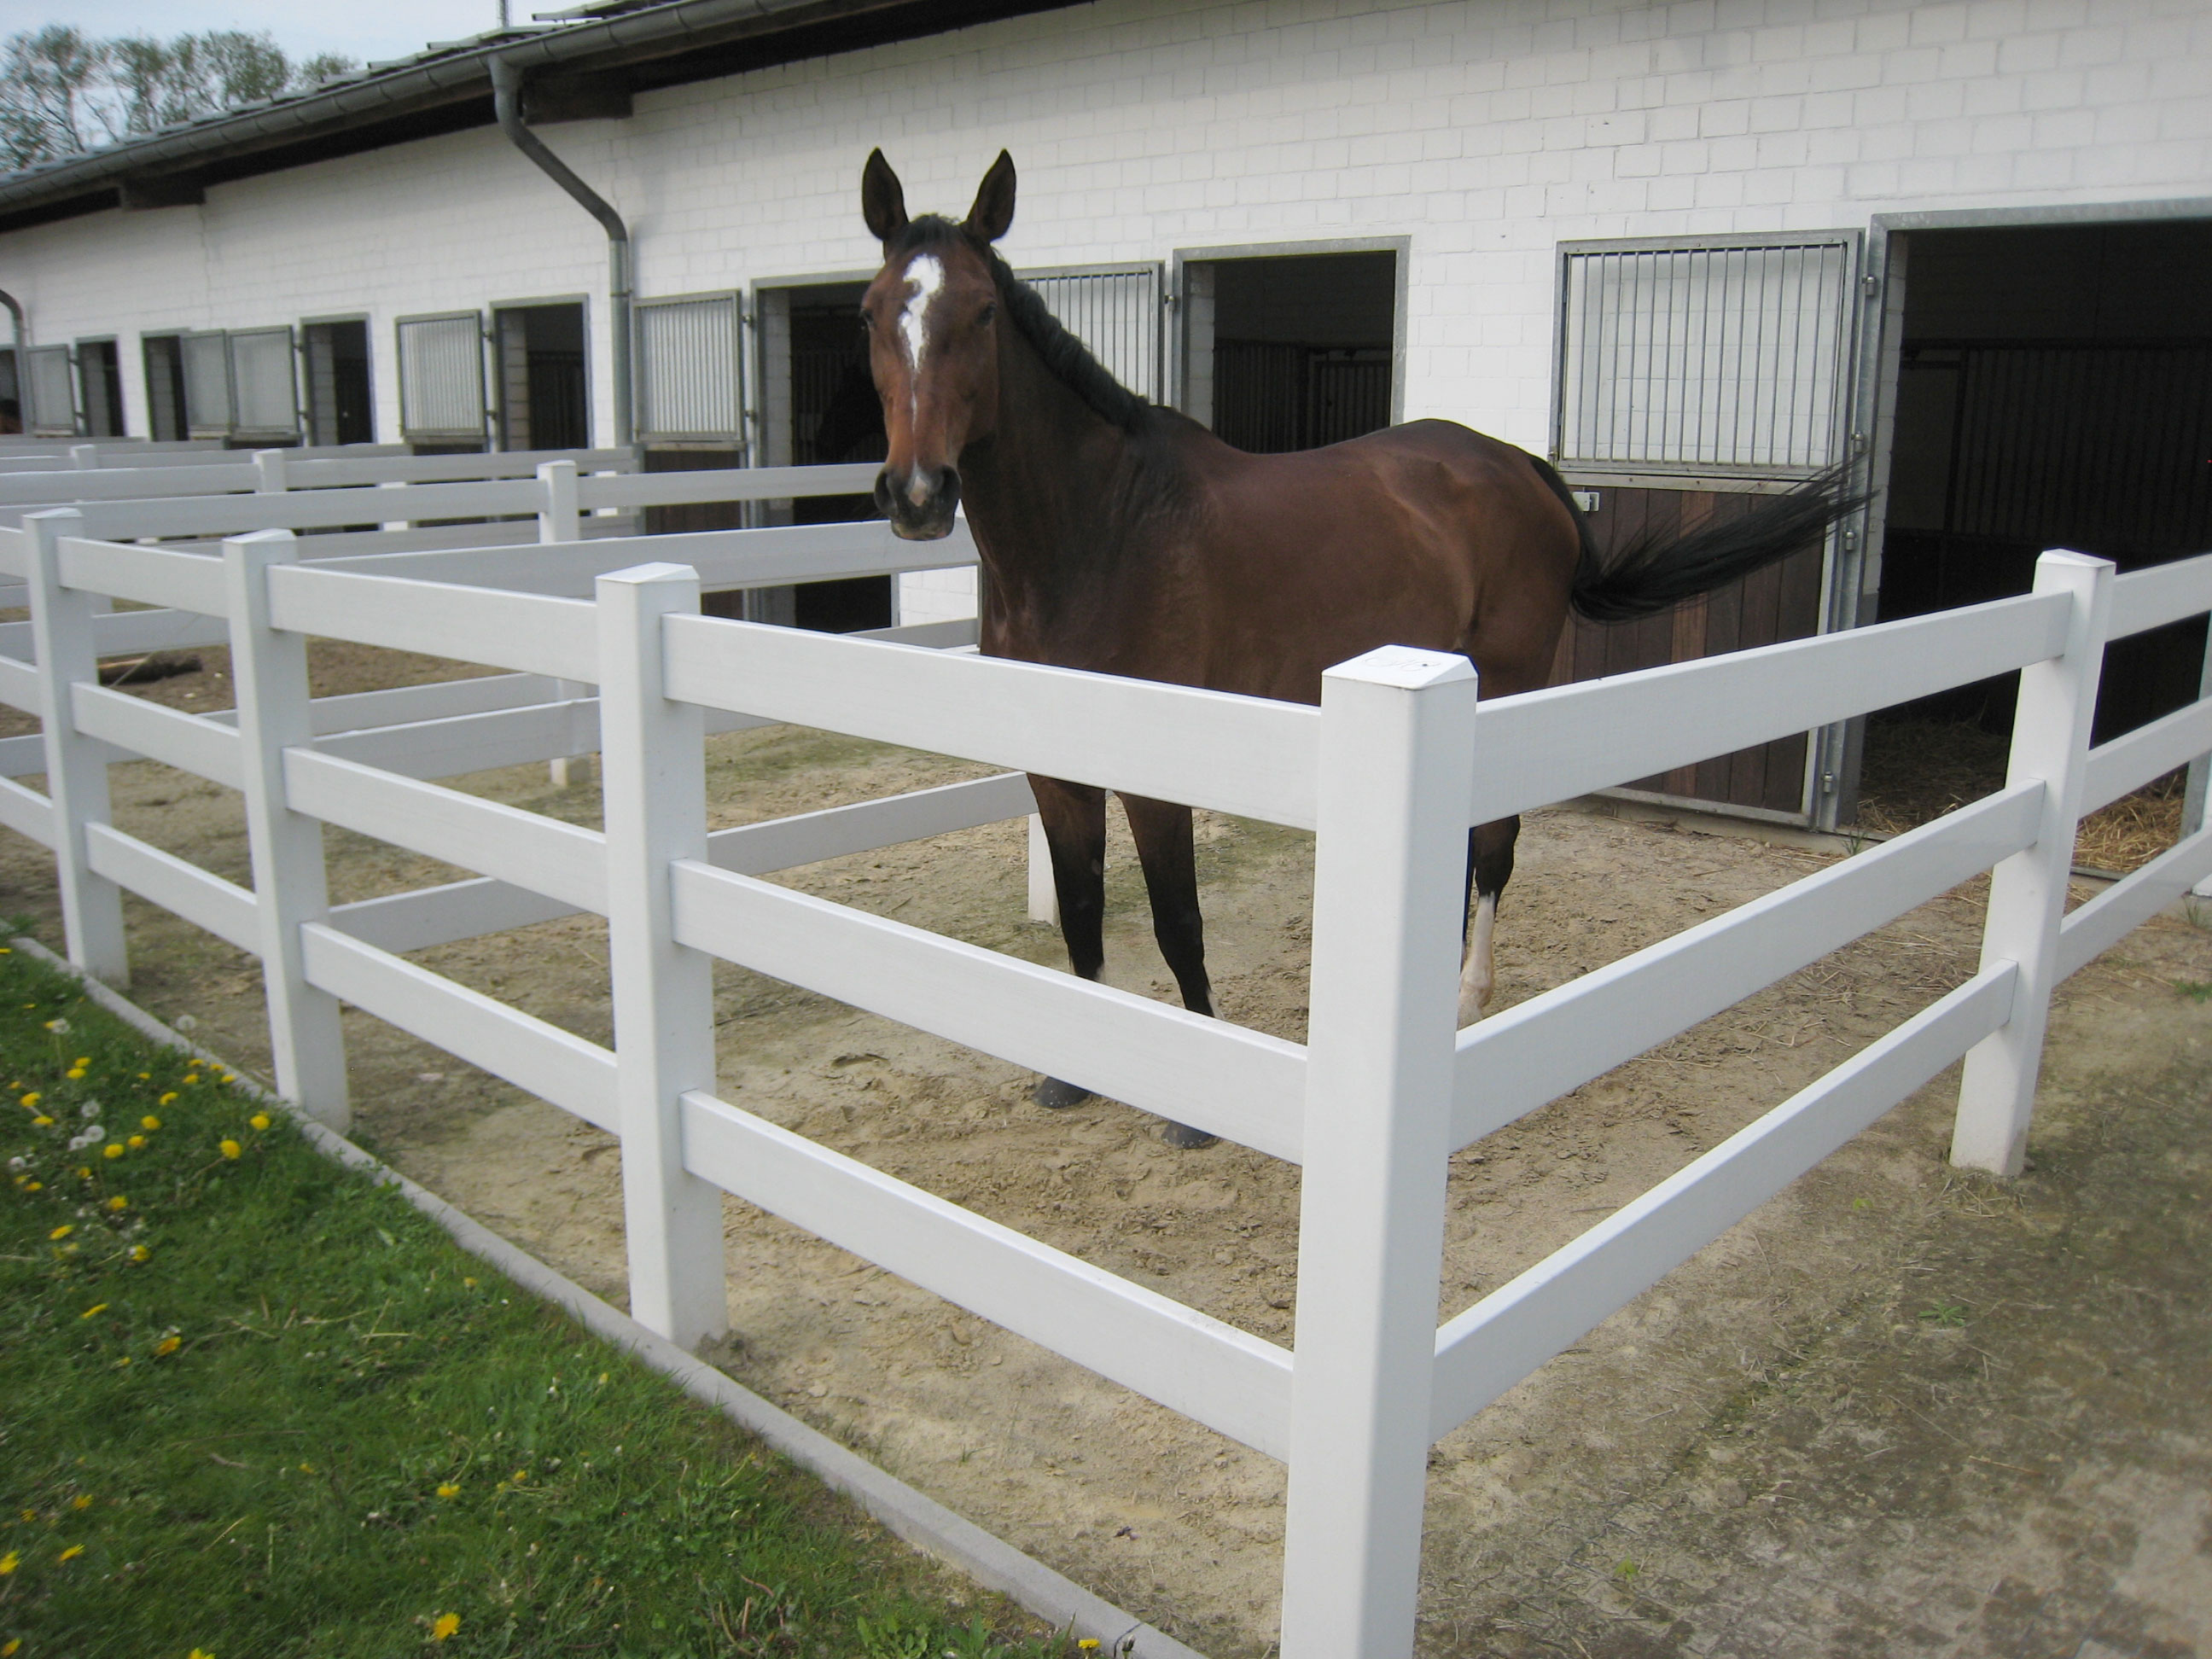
(1692, 252)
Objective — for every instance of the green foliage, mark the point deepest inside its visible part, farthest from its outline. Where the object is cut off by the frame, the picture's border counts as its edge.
(63, 91)
(253, 1403)
(2196, 990)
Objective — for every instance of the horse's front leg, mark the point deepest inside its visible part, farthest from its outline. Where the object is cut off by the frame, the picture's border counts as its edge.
(1163, 835)
(1074, 816)
(1489, 867)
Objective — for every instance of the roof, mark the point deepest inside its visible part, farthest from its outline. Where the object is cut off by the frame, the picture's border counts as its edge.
(581, 64)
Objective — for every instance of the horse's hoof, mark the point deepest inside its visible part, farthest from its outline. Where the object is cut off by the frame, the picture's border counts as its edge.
(1055, 1096)
(1183, 1137)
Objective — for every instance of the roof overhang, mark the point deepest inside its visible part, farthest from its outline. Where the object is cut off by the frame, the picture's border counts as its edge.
(587, 70)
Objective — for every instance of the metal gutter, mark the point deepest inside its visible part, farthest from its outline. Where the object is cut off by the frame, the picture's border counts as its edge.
(507, 95)
(452, 76)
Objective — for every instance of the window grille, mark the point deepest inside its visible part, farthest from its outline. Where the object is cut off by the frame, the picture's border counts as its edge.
(688, 368)
(1116, 313)
(262, 383)
(441, 378)
(1730, 355)
(53, 393)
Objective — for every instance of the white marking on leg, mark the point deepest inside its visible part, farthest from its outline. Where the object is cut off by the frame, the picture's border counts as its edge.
(925, 275)
(1478, 974)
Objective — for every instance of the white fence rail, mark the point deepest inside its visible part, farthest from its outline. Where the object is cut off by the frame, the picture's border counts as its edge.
(1389, 771)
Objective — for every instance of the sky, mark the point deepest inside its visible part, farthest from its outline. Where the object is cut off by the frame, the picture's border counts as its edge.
(367, 30)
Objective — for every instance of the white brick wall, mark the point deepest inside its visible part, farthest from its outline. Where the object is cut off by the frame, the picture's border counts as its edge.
(1487, 133)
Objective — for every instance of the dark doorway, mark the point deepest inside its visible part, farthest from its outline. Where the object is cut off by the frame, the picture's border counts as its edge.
(834, 416)
(2054, 389)
(340, 409)
(544, 393)
(100, 377)
(1293, 351)
(166, 417)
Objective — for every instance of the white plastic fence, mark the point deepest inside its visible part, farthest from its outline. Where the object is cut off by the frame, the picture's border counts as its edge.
(91, 473)
(1389, 771)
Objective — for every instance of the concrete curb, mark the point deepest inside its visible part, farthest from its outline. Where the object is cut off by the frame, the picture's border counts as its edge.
(920, 1521)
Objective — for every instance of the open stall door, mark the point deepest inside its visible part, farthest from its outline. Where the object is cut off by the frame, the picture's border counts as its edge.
(1692, 376)
(545, 391)
(1290, 350)
(340, 408)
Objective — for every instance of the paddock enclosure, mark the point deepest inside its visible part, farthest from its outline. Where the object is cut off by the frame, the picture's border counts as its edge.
(601, 646)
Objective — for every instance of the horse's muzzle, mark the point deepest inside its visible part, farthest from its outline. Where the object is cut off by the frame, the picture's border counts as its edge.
(920, 505)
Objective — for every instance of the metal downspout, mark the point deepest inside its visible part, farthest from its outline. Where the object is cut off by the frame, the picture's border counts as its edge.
(22, 364)
(507, 102)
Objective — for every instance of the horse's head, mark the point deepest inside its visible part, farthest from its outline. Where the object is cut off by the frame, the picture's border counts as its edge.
(932, 316)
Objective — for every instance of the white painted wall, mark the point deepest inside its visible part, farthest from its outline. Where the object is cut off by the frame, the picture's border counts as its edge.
(1485, 133)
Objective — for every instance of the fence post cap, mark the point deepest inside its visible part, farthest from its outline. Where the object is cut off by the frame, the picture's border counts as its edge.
(1405, 667)
(639, 575)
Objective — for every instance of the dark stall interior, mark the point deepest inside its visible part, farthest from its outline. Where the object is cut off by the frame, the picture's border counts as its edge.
(340, 406)
(2054, 389)
(1303, 346)
(835, 416)
(543, 398)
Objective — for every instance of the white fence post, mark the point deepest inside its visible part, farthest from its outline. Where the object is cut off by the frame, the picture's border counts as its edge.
(1397, 758)
(664, 992)
(2027, 891)
(269, 668)
(1044, 896)
(560, 520)
(269, 472)
(76, 766)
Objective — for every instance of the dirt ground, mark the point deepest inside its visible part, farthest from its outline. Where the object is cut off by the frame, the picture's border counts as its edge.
(1898, 1411)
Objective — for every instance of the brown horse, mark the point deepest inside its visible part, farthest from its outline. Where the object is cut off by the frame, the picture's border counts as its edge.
(1127, 539)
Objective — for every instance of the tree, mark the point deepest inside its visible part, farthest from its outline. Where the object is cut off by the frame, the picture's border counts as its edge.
(62, 91)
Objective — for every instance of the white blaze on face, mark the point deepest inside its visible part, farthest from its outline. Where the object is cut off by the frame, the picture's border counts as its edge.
(925, 275)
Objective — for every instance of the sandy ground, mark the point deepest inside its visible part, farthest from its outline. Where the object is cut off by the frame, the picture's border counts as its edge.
(1898, 1410)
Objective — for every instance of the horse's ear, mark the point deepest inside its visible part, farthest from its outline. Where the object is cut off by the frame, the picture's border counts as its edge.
(883, 201)
(993, 212)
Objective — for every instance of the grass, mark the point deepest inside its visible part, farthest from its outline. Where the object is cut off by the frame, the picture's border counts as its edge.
(251, 1404)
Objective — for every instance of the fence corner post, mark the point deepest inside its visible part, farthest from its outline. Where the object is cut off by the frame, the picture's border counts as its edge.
(664, 992)
(560, 519)
(62, 632)
(268, 669)
(1044, 893)
(268, 477)
(2050, 728)
(1397, 767)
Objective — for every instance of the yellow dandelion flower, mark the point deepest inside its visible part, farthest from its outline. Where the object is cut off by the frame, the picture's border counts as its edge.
(444, 1625)
(1088, 1643)
(470, 1283)
(122, 1362)
(113, 1149)
(196, 1654)
(231, 1149)
(168, 1346)
(82, 1501)
(42, 1122)
(259, 1119)
(449, 1490)
(71, 1553)
(194, 1079)
(29, 1516)
(34, 1187)
(95, 1309)
(75, 1074)
(15, 1643)
(145, 1077)
(11, 1561)
(167, 1099)
(135, 1142)
(33, 1098)
(140, 1253)
(64, 1231)
(84, 1060)
(82, 1173)
(149, 1122)
(119, 1202)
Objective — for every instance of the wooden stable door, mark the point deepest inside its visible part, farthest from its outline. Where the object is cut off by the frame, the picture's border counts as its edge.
(1781, 601)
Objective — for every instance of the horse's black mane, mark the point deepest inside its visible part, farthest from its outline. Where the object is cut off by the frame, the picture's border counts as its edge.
(1065, 356)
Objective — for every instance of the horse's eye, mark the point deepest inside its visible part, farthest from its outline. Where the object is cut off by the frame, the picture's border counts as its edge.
(866, 322)
(990, 315)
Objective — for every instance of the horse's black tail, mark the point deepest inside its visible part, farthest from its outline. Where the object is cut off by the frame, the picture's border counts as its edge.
(1655, 571)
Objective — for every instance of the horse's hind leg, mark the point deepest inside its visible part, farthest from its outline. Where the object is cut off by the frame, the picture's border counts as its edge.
(1074, 816)
(1163, 835)
(1489, 867)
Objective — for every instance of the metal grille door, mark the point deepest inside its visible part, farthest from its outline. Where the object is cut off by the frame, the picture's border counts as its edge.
(441, 378)
(688, 368)
(1690, 359)
(53, 392)
(207, 384)
(261, 379)
(1116, 313)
